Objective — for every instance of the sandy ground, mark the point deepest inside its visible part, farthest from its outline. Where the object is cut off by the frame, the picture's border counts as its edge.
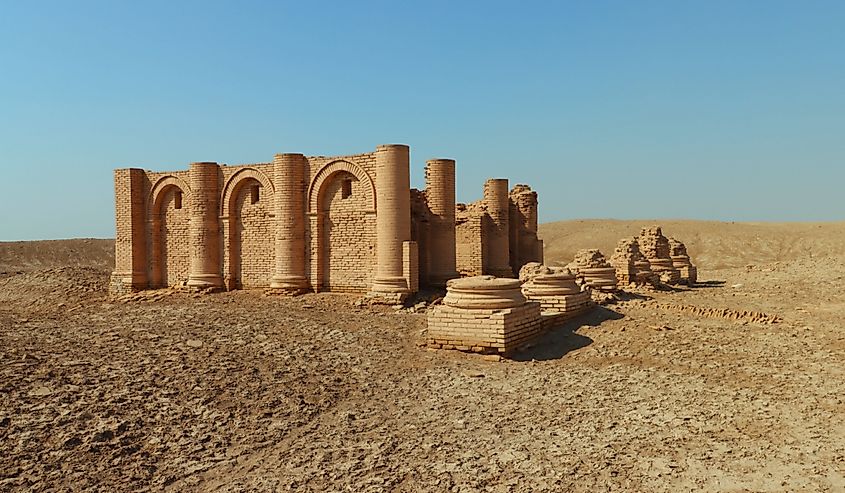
(242, 392)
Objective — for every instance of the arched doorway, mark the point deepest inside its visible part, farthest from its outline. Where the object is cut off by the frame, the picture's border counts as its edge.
(346, 233)
(171, 256)
(252, 235)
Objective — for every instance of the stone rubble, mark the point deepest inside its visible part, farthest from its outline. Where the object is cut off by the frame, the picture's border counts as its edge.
(655, 247)
(595, 271)
(681, 261)
(631, 265)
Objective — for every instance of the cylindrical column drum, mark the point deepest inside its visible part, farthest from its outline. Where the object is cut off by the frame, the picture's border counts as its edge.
(393, 216)
(440, 194)
(289, 179)
(204, 227)
(498, 234)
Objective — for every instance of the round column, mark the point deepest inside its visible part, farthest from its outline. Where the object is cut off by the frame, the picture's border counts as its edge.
(393, 217)
(440, 194)
(289, 180)
(497, 201)
(204, 227)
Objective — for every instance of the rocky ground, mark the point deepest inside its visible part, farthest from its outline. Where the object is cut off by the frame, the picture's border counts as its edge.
(241, 392)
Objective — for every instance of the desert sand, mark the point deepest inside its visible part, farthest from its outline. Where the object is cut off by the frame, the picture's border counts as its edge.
(736, 384)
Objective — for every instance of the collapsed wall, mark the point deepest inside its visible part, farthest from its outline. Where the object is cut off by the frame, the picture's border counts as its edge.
(631, 265)
(498, 234)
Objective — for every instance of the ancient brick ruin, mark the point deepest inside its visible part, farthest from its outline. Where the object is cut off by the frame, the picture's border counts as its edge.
(489, 315)
(342, 224)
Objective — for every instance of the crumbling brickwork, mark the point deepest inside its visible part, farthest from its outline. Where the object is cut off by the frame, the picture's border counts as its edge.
(498, 234)
(344, 223)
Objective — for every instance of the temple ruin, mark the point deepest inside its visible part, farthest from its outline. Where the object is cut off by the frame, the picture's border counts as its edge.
(341, 224)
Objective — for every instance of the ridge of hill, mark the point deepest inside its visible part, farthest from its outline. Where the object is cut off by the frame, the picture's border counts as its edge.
(711, 244)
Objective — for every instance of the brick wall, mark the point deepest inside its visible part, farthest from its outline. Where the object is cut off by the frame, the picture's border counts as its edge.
(347, 236)
(153, 239)
(131, 260)
(253, 236)
(173, 247)
(410, 261)
(469, 240)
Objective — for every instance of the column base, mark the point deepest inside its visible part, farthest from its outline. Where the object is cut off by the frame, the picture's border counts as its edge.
(389, 290)
(289, 282)
(121, 283)
(288, 286)
(205, 281)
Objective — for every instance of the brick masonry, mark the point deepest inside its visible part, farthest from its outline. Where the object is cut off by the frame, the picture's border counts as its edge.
(311, 223)
(483, 330)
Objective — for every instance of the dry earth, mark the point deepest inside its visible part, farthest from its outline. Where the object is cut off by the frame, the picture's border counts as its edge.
(241, 392)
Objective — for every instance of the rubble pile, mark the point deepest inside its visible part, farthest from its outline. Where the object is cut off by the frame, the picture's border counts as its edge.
(533, 269)
(655, 247)
(630, 264)
(681, 261)
(592, 267)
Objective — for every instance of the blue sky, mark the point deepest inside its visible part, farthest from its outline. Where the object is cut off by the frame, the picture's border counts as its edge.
(628, 109)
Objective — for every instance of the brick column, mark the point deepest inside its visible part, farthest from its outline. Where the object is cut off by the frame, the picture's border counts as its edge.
(289, 179)
(130, 244)
(205, 227)
(440, 194)
(393, 219)
(497, 201)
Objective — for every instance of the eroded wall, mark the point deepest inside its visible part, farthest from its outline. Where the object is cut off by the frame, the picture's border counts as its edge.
(239, 226)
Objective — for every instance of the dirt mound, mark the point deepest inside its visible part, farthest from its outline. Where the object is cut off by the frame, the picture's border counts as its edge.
(711, 244)
(22, 256)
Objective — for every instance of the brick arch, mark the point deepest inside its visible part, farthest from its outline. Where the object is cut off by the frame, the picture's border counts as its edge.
(169, 260)
(161, 185)
(232, 184)
(249, 250)
(328, 171)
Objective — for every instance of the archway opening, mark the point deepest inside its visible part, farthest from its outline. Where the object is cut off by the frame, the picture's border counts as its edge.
(171, 256)
(346, 234)
(251, 235)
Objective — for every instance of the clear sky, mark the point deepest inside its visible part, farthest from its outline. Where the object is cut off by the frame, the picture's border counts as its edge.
(728, 110)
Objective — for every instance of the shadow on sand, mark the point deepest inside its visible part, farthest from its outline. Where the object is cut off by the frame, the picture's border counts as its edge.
(708, 284)
(562, 339)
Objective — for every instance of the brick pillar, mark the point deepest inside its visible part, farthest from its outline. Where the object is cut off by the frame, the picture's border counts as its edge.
(130, 244)
(289, 179)
(529, 244)
(393, 219)
(204, 227)
(497, 201)
(440, 193)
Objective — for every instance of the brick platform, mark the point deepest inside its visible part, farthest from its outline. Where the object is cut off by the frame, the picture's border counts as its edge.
(483, 330)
